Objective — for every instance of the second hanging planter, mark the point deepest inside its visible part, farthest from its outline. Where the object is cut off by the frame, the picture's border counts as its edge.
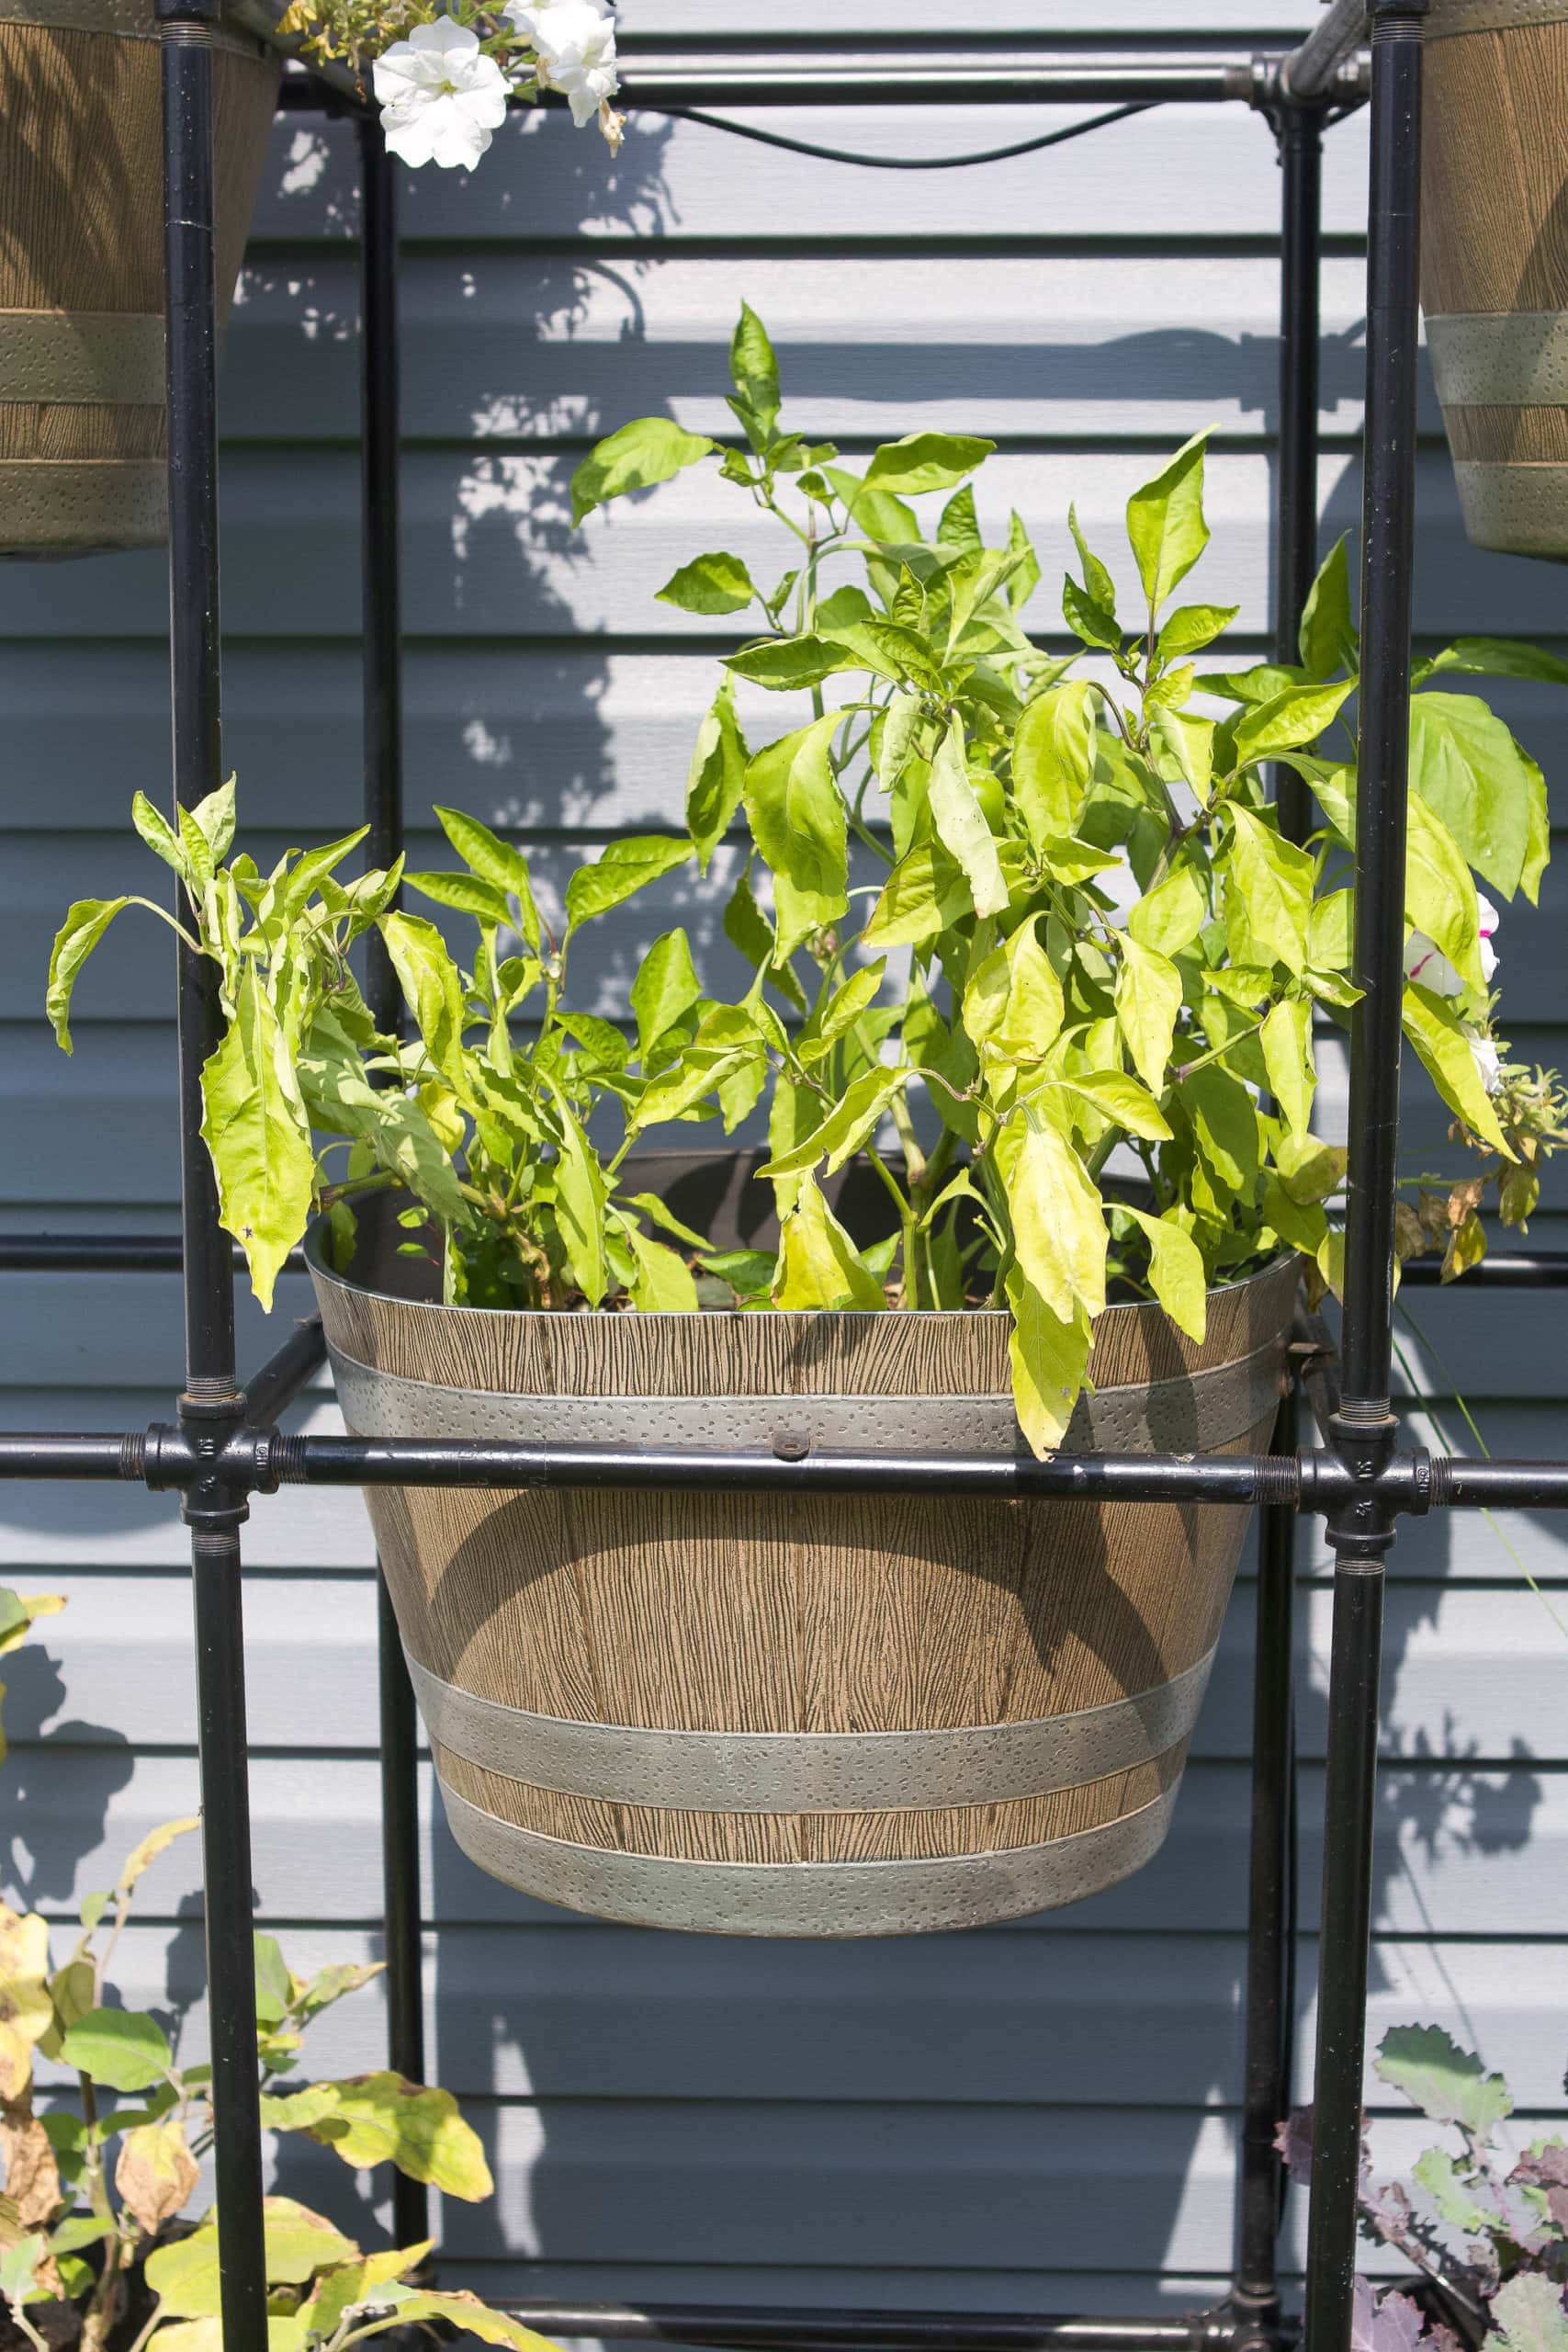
(799, 1716)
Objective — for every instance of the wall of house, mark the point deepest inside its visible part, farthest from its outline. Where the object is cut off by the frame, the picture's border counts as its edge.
(1039, 2115)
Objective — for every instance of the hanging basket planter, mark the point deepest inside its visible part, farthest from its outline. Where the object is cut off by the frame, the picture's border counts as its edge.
(82, 424)
(1494, 262)
(799, 1716)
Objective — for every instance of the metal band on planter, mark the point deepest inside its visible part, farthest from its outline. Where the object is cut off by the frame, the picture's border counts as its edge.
(811, 1771)
(1449, 18)
(1156, 1417)
(812, 1898)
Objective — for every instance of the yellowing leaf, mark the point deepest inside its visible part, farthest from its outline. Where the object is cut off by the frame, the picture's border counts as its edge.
(257, 1130)
(467, 2313)
(1434, 1030)
(85, 923)
(20, 1611)
(430, 982)
(1059, 1219)
(1274, 880)
(580, 1201)
(1148, 999)
(1012, 1006)
(1169, 917)
(353, 2285)
(798, 823)
(384, 2118)
(1048, 1357)
(1165, 522)
(25, 2009)
(1286, 1052)
(926, 891)
(1053, 760)
(961, 823)
(818, 1265)
(157, 1841)
(156, 2174)
(1175, 1272)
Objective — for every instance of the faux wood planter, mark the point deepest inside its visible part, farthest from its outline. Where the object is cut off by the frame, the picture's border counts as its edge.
(816, 1718)
(1494, 262)
(82, 261)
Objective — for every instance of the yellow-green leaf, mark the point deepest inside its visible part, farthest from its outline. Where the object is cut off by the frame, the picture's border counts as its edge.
(1148, 999)
(257, 1133)
(1169, 917)
(126, 2049)
(431, 985)
(1274, 880)
(1439, 896)
(1013, 1005)
(1287, 1053)
(1434, 1030)
(25, 2009)
(1165, 522)
(926, 891)
(819, 1264)
(157, 1841)
(581, 1194)
(1048, 1357)
(664, 1283)
(1059, 1219)
(384, 2118)
(798, 823)
(852, 1119)
(961, 823)
(85, 922)
(1175, 1272)
(651, 449)
(1053, 760)
(464, 2313)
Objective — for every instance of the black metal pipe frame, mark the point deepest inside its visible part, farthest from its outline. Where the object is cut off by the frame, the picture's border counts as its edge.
(381, 513)
(1364, 1429)
(211, 1407)
(225, 1447)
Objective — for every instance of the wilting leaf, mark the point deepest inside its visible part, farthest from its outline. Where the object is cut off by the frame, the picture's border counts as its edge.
(156, 2174)
(255, 1128)
(85, 923)
(26, 2009)
(32, 2172)
(1048, 1358)
(1435, 1032)
(619, 871)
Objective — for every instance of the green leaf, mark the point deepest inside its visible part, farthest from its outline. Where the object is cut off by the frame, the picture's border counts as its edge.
(1191, 628)
(1288, 720)
(1176, 1271)
(874, 510)
(1111, 1094)
(853, 1120)
(819, 1264)
(275, 1986)
(960, 525)
(1470, 772)
(495, 861)
(1447, 2083)
(340, 1098)
(1503, 657)
(430, 983)
(1287, 1053)
(255, 1129)
(1087, 619)
(1148, 999)
(1326, 638)
(651, 449)
(1188, 743)
(125, 2049)
(1529, 2315)
(619, 871)
(923, 461)
(1274, 879)
(798, 823)
(1053, 760)
(709, 584)
(383, 2117)
(716, 777)
(1439, 897)
(581, 1194)
(961, 824)
(1433, 1028)
(159, 835)
(747, 930)
(1539, 852)
(18, 2268)
(1166, 526)
(1224, 1125)
(1013, 1004)
(1059, 1219)
(466, 893)
(664, 1283)
(925, 892)
(1024, 578)
(753, 369)
(1097, 577)
(665, 989)
(87, 919)
(840, 1012)
(789, 664)
(1048, 1357)
(1169, 917)
(1436, 2172)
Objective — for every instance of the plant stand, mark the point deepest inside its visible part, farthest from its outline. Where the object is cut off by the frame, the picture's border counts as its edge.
(226, 1448)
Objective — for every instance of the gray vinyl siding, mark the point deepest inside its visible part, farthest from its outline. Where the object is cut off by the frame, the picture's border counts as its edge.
(1040, 2115)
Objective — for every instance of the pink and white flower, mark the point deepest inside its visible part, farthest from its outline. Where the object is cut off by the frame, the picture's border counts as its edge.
(1426, 963)
(441, 98)
(1488, 1061)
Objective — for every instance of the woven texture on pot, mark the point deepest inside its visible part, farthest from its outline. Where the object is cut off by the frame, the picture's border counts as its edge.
(1494, 262)
(856, 1715)
(82, 437)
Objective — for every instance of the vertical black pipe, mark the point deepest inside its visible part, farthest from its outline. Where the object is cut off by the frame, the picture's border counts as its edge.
(210, 1405)
(379, 434)
(1272, 1886)
(1364, 1427)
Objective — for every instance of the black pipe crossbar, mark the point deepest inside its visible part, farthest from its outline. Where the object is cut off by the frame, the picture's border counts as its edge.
(225, 1447)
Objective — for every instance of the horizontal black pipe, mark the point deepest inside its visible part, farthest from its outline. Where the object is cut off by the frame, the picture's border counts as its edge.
(271, 1391)
(106, 1253)
(749, 2329)
(664, 81)
(1499, 1270)
(258, 1459)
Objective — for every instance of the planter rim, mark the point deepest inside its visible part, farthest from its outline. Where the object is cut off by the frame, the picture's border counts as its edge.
(322, 1272)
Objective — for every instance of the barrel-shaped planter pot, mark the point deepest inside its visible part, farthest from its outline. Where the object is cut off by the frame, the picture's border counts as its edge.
(1494, 262)
(813, 1715)
(82, 437)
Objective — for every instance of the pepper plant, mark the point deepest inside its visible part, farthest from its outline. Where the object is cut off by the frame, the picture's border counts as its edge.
(99, 2246)
(1023, 927)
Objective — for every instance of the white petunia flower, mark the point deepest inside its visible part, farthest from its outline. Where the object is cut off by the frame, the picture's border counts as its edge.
(1425, 962)
(553, 25)
(583, 68)
(441, 98)
(1488, 1061)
